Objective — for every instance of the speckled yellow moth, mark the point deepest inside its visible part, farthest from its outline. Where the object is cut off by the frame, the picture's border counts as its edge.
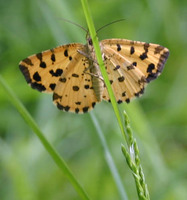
(72, 74)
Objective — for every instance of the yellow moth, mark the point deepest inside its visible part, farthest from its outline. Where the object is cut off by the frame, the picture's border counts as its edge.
(71, 73)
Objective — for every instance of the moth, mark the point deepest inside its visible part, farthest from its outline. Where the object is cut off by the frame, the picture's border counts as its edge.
(71, 73)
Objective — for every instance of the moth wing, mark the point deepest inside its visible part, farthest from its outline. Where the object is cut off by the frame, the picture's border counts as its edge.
(74, 90)
(61, 71)
(43, 70)
(131, 65)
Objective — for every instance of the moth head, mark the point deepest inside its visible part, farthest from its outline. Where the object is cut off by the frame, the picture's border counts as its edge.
(89, 39)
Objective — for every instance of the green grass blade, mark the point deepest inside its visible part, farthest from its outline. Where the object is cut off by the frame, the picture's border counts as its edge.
(49, 148)
(101, 64)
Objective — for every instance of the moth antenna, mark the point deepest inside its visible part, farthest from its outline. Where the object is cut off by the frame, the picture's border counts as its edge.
(119, 20)
(78, 25)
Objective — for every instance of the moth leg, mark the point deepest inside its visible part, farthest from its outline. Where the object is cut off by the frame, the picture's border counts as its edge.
(96, 76)
(92, 74)
(87, 56)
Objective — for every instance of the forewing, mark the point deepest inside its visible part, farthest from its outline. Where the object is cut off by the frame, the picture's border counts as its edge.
(61, 71)
(130, 65)
(43, 70)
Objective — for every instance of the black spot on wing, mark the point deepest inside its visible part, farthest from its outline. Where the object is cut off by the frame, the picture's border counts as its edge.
(28, 61)
(139, 93)
(66, 53)
(123, 94)
(36, 77)
(77, 110)
(85, 109)
(143, 56)
(134, 63)
(150, 68)
(39, 56)
(63, 80)
(118, 47)
(56, 73)
(130, 67)
(52, 86)
(38, 86)
(61, 107)
(75, 88)
(127, 100)
(146, 47)
(93, 104)
(151, 77)
(119, 101)
(132, 50)
(117, 67)
(56, 97)
(53, 57)
(43, 64)
(158, 49)
(75, 75)
(86, 86)
(66, 108)
(121, 78)
(26, 73)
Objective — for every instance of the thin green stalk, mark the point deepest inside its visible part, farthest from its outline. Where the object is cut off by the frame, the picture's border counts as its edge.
(54, 155)
(101, 64)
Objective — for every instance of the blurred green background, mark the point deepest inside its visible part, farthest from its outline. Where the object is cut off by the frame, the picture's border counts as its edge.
(158, 118)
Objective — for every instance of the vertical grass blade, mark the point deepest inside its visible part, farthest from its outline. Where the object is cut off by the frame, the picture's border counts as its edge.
(93, 35)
